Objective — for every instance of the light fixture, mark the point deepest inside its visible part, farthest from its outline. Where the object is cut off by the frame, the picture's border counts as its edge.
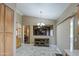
(40, 24)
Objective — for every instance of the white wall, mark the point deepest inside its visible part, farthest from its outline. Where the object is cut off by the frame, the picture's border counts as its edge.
(63, 33)
(68, 12)
(33, 21)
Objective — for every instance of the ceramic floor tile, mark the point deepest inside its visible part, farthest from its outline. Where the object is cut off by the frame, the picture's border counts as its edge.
(30, 50)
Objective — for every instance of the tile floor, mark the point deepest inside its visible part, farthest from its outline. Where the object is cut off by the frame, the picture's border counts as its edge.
(30, 50)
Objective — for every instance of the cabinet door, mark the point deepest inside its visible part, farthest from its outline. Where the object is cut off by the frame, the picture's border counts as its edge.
(1, 44)
(1, 29)
(1, 18)
(8, 19)
(6, 30)
(8, 44)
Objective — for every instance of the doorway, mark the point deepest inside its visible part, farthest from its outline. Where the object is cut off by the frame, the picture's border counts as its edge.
(26, 34)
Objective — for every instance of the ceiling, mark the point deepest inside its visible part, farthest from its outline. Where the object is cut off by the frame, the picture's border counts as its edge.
(42, 10)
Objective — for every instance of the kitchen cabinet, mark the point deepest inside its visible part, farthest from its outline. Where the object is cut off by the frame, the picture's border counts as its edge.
(6, 30)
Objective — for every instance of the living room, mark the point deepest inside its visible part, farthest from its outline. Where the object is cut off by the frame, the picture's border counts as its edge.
(39, 29)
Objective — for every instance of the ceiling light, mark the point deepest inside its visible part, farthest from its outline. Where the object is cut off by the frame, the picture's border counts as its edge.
(38, 24)
(42, 24)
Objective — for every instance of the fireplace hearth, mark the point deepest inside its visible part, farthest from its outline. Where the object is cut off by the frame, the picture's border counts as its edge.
(41, 42)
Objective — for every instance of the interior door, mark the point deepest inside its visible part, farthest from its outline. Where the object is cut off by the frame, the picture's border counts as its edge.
(27, 34)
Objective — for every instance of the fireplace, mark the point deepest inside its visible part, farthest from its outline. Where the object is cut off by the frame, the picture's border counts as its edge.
(41, 42)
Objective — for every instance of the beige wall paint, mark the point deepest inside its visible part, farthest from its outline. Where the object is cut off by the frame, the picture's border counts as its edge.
(27, 20)
(19, 22)
(18, 18)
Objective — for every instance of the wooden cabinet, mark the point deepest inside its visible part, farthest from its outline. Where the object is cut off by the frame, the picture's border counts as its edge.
(8, 20)
(1, 29)
(6, 30)
(1, 44)
(1, 18)
(8, 44)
